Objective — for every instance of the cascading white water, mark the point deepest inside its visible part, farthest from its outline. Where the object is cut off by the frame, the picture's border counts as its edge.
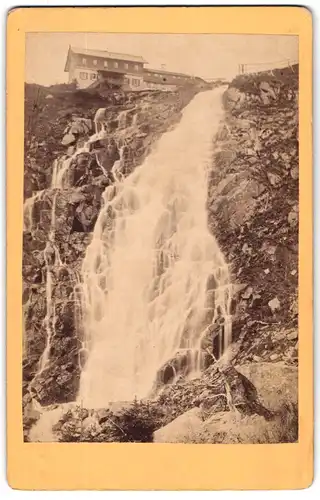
(145, 273)
(28, 210)
(52, 259)
(59, 181)
(60, 168)
(117, 167)
(48, 320)
(122, 120)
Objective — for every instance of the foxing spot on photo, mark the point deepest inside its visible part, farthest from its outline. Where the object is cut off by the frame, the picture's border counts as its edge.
(160, 238)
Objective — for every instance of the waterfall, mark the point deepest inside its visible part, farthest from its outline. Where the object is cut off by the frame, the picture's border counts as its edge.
(61, 165)
(117, 166)
(42, 430)
(59, 181)
(28, 210)
(59, 170)
(146, 271)
(52, 260)
(135, 120)
(49, 321)
(122, 120)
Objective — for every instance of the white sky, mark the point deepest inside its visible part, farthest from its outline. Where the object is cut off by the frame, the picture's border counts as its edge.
(207, 56)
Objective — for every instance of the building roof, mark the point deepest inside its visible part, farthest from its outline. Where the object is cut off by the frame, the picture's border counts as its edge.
(167, 77)
(165, 72)
(165, 80)
(215, 79)
(102, 53)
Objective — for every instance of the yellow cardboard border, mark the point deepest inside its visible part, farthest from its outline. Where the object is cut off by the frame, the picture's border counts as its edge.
(79, 466)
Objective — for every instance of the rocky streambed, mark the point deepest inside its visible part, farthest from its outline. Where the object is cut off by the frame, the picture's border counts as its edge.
(252, 207)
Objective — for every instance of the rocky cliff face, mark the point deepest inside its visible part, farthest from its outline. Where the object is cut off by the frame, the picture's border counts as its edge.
(253, 210)
(253, 213)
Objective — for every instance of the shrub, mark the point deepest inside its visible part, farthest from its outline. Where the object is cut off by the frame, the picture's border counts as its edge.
(137, 423)
(134, 423)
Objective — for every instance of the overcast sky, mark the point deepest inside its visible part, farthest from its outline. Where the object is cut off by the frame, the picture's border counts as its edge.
(208, 56)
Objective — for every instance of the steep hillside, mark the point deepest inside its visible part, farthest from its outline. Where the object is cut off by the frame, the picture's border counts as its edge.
(253, 210)
(253, 214)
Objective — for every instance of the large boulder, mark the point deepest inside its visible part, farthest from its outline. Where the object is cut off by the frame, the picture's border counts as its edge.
(234, 428)
(262, 409)
(181, 429)
(230, 427)
(236, 200)
(233, 98)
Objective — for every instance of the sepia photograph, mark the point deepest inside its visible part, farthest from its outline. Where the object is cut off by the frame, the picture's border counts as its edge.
(160, 238)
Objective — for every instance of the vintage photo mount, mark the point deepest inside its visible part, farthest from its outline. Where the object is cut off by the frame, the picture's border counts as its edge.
(115, 466)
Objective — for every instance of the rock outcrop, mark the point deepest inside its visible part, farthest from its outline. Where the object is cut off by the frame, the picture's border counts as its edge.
(262, 409)
(253, 210)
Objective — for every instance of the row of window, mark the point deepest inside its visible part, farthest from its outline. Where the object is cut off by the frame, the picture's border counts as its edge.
(109, 64)
(93, 76)
(164, 76)
(135, 82)
(84, 76)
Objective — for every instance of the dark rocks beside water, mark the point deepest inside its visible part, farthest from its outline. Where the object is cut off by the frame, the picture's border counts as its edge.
(77, 205)
(250, 404)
